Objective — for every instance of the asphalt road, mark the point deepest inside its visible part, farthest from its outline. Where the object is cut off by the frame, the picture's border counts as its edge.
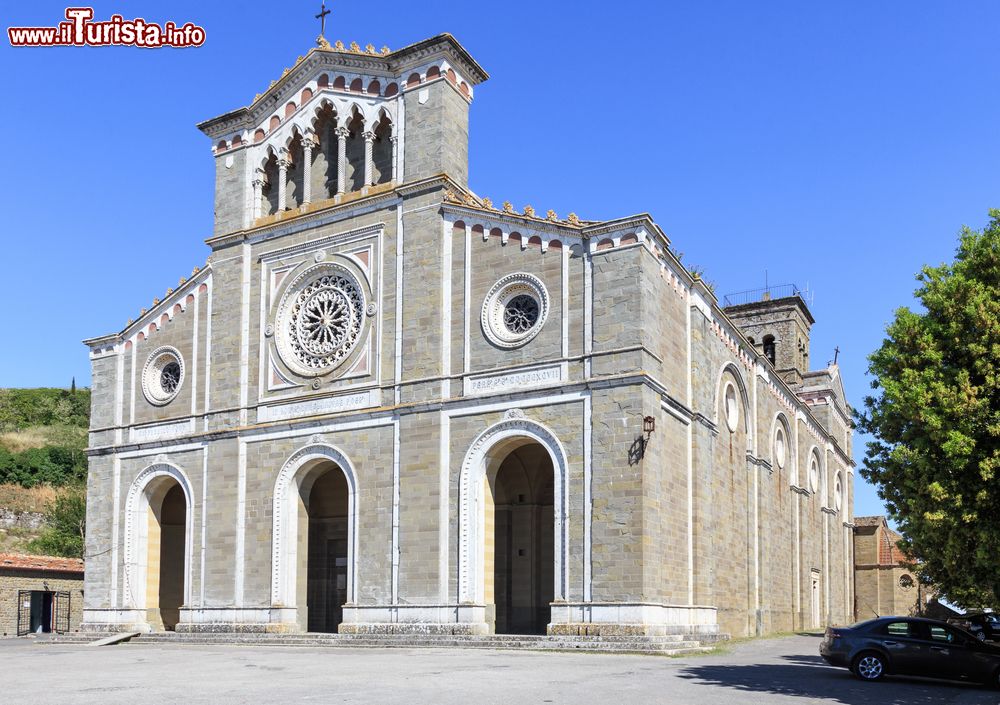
(786, 670)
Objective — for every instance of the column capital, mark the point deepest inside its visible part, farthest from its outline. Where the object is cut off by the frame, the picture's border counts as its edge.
(342, 132)
(369, 136)
(309, 141)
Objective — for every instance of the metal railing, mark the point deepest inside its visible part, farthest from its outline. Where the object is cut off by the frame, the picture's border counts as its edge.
(778, 291)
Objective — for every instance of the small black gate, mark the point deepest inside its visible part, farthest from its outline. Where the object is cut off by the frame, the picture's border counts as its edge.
(44, 611)
(60, 612)
(23, 612)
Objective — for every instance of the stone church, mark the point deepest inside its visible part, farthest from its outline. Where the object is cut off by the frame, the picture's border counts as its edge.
(386, 404)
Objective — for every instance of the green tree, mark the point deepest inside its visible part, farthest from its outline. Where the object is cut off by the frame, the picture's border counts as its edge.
(935, 419)
(66, 526)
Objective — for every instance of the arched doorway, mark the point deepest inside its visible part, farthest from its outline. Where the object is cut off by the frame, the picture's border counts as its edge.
(325, 572)
(519, 540)
(165, 570)
(158, 546)
(314, 545)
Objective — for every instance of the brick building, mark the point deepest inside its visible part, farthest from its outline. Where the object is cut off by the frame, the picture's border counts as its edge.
(387, 404)
(40, 594)
(883, 583)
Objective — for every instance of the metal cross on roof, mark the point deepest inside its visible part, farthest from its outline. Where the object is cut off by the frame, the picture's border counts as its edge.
(323, 12)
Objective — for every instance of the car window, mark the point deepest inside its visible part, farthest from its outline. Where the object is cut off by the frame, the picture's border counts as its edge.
(942, 634)
(898, 629)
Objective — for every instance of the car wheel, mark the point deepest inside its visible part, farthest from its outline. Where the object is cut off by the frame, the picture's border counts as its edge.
(869, 666)
(982, 636)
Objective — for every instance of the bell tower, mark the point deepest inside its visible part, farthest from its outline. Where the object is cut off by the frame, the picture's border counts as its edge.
(342, 123)
(778, 327)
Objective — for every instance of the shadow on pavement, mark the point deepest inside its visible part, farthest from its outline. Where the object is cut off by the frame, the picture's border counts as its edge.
(809, 676)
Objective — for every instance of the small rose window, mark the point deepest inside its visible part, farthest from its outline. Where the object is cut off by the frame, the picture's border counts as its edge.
(514, 310)
(162, 376)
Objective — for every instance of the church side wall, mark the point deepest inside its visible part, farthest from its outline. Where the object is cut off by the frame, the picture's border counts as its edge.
(99, 566)
(775, 527)
(722, 502)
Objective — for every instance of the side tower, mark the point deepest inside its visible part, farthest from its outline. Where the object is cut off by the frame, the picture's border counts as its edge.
(779, 327)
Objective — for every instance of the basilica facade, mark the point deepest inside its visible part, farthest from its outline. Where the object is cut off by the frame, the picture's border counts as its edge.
(387, 404)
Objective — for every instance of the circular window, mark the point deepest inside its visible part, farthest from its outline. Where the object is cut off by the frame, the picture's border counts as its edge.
(162, 376)
(732, 407)
(319, 320)
(838, 492)
(814, 474)
(906, 582)
(514, 310)
(779, 447)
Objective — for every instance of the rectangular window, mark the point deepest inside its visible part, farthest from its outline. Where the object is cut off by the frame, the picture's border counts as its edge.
(941, 634)
(899, 629)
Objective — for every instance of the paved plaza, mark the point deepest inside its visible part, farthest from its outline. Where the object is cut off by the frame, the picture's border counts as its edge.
(783, 670)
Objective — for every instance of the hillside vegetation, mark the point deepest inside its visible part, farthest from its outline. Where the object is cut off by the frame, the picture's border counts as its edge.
(43, 468)
(43, 433)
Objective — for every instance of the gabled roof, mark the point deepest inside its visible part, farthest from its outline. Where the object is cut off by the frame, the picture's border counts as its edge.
(338, 56)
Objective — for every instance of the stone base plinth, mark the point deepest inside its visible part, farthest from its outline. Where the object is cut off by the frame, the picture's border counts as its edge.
(631, 619)
(572, 619)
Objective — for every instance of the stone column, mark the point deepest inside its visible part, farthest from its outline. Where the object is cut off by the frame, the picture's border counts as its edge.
(308, 144)
(342, 134)
(283, 163)
(258, 193)
(395, 157)
(369, 164)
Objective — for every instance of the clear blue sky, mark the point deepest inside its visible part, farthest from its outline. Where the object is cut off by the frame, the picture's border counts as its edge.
(835, 144)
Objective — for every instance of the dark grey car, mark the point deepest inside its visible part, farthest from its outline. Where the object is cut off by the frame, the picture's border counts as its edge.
(911, 646)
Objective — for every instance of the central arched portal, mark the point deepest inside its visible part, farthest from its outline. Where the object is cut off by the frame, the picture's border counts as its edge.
(315, 539)
(519, 539)
(324, 577)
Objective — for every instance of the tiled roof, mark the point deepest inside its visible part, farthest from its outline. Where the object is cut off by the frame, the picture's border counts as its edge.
(888, 551)
(48, 563)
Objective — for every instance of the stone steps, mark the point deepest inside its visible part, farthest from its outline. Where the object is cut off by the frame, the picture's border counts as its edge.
(671, 644)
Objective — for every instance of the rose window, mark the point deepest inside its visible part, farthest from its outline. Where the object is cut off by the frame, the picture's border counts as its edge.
(170, 377)
(320, 320)
(162, 376)
(520, 314)
(514, 310)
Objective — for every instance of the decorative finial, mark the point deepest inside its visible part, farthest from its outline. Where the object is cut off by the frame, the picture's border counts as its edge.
(195, 271)
(142, 312)
(385, 49)
(169, 291)
(487, 203)
(339, 45)
(355, 48)
(323, 12)
(529, 211)
(573, 218)
(181, 282)
(508, 207)
(156, 302)
(551, 215)
(370, 48)
(130, 321)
